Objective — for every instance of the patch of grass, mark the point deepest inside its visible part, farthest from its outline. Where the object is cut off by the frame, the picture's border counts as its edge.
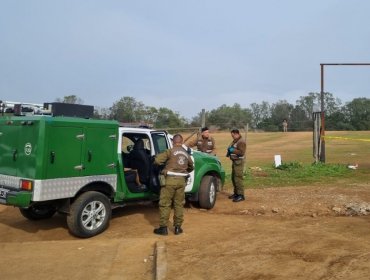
(289, 166)
(295, 149)
(296, 174)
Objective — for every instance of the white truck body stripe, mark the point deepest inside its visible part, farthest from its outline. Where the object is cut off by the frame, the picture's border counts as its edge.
(59, 188)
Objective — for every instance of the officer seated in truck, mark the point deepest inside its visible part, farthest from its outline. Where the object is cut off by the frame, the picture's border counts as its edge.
(132, 176)
(137, 165)
(140, 160)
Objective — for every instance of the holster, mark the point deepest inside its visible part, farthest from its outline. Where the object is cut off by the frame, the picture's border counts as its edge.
(162, 180)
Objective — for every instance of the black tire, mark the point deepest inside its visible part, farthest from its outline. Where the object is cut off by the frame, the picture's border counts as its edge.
(89, 215)
(208, 192)
(38, 212)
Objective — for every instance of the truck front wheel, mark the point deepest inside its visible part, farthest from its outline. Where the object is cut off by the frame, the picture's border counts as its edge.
(38, 212)
(207, 192)
(89, 215)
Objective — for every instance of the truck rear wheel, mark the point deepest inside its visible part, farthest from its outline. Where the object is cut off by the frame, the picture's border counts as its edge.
(90, 214)
(38, 212)
(207, 192)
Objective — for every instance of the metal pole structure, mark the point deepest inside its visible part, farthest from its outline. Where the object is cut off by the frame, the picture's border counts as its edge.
(322, 129)
(246, 129)
(203, 118)
(322, 93)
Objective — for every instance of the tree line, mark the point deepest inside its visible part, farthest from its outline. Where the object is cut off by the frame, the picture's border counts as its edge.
(354, 115)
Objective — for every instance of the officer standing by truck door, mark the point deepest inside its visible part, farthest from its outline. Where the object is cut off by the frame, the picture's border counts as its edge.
(178, 164)
(204, 142)
(236, 152)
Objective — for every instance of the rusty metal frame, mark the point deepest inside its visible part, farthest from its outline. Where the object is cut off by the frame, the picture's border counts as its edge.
(322, 133)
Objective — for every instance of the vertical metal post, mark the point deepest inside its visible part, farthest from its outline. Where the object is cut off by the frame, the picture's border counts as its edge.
(203, 118)
(322, 129)
(246, 129)
(316, 136)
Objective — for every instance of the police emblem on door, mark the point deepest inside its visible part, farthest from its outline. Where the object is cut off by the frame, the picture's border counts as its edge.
(27, 149)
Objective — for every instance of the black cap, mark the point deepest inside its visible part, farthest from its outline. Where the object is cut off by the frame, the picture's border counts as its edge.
(204, 128)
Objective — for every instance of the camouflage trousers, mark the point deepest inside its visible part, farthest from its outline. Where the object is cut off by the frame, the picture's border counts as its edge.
(237, 176)
(172, 194)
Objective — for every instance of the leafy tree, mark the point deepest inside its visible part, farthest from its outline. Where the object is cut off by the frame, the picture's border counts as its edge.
(197, 120)
(168, 118)
(71, 99)
(226, 117)
(332, 105)
(355, 115)
(313, 99)
(127, 109)
(101, 113)
(299, 120)
(259, 112)
(338, 121)
(358, 111)
(280, 111)
(150, 115)
(268, 124)
(307, 103)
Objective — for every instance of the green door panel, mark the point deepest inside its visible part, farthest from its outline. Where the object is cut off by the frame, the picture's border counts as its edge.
(28, 146)
(100, 151)
(64, 152)
(8, 148)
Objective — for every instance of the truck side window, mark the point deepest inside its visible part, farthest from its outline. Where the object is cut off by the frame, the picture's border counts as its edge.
(160, 142)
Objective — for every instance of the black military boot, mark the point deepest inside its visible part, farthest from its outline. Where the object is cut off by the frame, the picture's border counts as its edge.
(178, 230)
(161, 231)
(239, 198)
(233, 196)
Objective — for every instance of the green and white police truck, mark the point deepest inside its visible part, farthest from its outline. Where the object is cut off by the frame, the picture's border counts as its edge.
(83, 168)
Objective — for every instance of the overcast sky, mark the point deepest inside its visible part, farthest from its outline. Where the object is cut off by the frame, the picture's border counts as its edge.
(184, 55)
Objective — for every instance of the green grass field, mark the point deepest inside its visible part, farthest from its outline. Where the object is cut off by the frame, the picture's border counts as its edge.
(343, 148)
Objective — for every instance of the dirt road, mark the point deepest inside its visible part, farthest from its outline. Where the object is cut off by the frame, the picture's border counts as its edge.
(277, 233)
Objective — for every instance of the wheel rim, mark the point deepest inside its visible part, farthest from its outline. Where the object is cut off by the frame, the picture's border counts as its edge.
(212, 192)
(93, 215)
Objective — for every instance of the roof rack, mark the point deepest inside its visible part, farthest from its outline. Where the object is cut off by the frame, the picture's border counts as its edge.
(22, 108)
(52, 108)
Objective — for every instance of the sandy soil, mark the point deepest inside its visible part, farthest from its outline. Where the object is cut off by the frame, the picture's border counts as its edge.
(277, 233)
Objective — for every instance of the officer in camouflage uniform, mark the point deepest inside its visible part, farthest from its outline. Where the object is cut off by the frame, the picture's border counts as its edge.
(236, 152)
(204, 142)
(178, 164)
